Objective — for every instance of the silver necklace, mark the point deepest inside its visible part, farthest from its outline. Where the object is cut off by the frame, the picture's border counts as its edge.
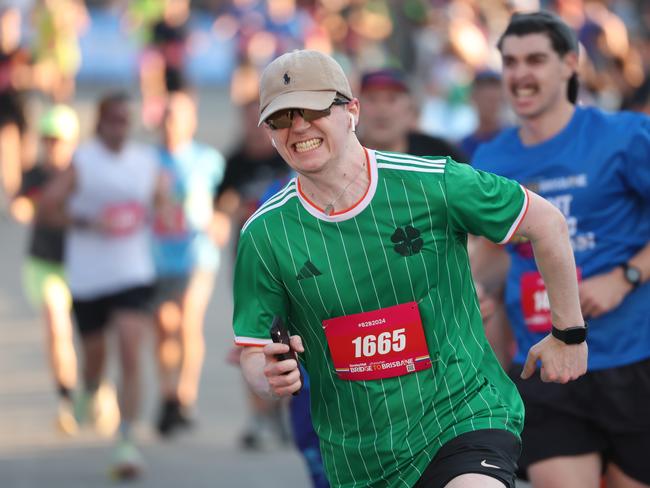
(329, 208)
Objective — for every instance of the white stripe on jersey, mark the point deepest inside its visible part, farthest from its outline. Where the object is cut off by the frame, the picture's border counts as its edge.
(520, 217)
(291, 185)
(269, 206)
(410, 168)
(410, 159)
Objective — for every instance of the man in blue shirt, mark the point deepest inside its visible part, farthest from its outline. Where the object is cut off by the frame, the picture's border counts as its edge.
(187, 235)
(595, 167)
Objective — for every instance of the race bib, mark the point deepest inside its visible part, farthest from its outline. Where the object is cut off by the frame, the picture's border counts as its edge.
(170, 221)
(379, 344)
(123, 219)
(534, 302)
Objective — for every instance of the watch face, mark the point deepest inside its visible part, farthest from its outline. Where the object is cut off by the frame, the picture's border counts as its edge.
(633, 275)
(575, 335)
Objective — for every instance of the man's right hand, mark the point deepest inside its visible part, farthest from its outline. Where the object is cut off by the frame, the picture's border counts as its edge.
(283, 376)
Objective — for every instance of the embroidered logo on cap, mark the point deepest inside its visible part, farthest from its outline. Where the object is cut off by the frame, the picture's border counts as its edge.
(286, 78)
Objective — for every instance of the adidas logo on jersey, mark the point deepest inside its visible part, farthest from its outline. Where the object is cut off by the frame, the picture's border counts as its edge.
(309, 270)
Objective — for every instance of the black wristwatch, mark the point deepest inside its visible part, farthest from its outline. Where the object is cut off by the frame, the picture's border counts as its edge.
(572, 335)
(632, 274)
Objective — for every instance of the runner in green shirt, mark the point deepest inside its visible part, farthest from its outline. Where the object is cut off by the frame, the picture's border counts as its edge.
(364, 256)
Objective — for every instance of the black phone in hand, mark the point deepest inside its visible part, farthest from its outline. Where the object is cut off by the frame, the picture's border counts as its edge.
(280, 334)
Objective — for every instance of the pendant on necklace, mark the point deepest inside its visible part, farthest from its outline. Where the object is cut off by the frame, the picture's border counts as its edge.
(329, 210)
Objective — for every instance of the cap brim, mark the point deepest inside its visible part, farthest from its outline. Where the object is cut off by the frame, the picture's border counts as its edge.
(314, 100)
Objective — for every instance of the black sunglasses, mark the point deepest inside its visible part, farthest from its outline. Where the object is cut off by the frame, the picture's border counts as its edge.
(282, 119)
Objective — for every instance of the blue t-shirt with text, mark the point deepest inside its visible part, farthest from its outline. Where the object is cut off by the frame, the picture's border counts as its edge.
(597, 172)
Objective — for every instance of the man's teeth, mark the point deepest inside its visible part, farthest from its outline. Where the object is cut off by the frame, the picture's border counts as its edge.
(525, 92)
(308, 145)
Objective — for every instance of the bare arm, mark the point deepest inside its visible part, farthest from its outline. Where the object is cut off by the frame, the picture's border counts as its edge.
(547, 230)
(52, 205)
(219, 228)
(267, 376)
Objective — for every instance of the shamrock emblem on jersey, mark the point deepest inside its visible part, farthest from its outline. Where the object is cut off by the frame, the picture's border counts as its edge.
(407, 241)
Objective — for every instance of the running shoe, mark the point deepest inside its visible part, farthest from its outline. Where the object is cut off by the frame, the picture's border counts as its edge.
(127, 461)
(172, 417)
(65, 419)
(99, 409)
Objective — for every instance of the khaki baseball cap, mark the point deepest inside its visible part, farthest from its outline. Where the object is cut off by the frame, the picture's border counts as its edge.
(301, 79)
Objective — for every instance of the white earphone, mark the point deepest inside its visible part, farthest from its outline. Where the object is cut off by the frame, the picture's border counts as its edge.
(352, 121)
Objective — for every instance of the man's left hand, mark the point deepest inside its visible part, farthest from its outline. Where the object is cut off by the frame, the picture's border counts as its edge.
(561, 362)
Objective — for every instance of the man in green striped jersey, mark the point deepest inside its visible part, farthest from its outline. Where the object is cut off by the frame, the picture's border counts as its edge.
(364, 256)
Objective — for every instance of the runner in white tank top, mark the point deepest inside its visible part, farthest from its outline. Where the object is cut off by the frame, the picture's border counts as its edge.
(105, 199)
(115, 189)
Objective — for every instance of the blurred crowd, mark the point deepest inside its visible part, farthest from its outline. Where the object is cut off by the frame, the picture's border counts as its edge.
(443, 53)
(441, 45)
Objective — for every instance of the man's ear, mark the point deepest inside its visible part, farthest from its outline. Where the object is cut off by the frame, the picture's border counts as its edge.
(570, 63)
(269, 133)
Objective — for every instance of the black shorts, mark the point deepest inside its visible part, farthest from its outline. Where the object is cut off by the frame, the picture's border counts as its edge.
(491, 452)
(606, 412)
(169, 289)
(94, 315)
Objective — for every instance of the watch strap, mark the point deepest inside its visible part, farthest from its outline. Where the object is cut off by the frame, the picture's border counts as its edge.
(571, 335)
(632, 274)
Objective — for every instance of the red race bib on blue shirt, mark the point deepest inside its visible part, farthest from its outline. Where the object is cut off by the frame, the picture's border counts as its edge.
(534, 302)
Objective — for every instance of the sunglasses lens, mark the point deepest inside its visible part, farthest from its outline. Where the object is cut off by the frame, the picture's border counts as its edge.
(280, 120)
(283, 118)
(311, 115)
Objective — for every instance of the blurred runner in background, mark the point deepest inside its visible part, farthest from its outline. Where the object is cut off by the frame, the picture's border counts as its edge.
(15, 79)
(58, 25)
(162, 65)
(43, 275)
(105, 198)
(188, 236)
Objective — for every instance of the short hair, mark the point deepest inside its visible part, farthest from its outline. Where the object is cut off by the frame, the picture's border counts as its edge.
(110, 99)
(486, 77)
(106, 101)
(563, 39)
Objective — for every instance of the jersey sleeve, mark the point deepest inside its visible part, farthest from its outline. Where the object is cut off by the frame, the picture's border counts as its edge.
(258, 293)
(482, 203)
(637, 160)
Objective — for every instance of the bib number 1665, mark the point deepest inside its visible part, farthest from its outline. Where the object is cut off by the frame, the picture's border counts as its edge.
(384, 343)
